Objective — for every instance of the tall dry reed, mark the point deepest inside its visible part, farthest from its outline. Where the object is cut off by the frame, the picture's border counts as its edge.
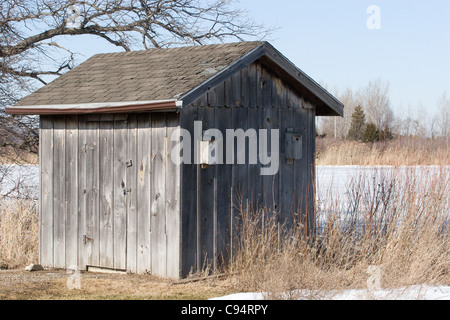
(403, 151)
(400, 224)
(19, 229)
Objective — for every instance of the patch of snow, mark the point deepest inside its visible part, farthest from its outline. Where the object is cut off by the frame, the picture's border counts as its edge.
(418, 292)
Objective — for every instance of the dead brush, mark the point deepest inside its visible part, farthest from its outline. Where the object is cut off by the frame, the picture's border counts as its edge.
(398, 222)
(19, 232)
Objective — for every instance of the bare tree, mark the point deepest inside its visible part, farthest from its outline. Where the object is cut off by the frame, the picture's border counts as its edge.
(377, 105)
(338, 126)
(31, 50)
(443, 116)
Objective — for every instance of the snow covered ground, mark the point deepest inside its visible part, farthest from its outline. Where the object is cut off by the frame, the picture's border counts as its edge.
(408, 293)
(331, 180)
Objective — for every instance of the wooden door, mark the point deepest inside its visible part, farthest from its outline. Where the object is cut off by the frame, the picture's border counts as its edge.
(103, 166)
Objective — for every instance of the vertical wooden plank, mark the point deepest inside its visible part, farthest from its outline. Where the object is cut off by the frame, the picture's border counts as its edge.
(71, 190)
(270, 120)
(212, 96)
(252, 90)
(59, 223)
(266, 89)
(301, 166)
(254, 182)
(311, 221)
(144, 154)
(106, 183)
(121, 192)
(46, 148)
(92, 180)
(158, 206)
(189, 198)
(234, 90)
(82, 194)
(172, 202)
(259, 83)
(223, 173)
(239, 188)
(132, 167)
(220, 94)
(206, 197)
(286, 183)
(244, 89)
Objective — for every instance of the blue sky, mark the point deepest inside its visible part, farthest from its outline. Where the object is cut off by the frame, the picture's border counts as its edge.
(330, 41)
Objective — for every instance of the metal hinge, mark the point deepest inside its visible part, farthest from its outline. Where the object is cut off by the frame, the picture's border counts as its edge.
(86, 239)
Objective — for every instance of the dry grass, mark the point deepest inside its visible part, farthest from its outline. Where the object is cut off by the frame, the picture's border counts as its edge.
(19, 229)
(53, 285)
(402, 151)
(8, 155)
(400, 224)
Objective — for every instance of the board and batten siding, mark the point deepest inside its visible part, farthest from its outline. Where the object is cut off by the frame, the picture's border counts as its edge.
(252, 98)
(109, 194)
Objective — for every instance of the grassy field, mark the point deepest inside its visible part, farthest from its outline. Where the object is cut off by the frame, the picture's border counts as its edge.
(404, 151)
(56, 285)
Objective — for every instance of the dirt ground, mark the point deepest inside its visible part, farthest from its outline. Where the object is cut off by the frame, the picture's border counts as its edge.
(60, 285)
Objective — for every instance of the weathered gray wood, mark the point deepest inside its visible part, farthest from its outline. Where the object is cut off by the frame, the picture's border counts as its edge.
(259, 84)
(212, 95)
(234, 90)
(172, 202)
(239, 186)
(266, 88)
(121, 191)
(270, 120)
(132, 208)
(254, 179)
(82, 194)
(223, 121)
(312, 172)
(71, 190)
(251, 88)
(158, 196)
(143, 166)
(206, 199)
(59, 214)
(46, 148)
(301, 166)
(106, 168)
(286, 173)
(91, 177)
(188, 200)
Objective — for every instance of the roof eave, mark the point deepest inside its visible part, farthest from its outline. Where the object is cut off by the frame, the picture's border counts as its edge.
(330, 106)
(92, 108)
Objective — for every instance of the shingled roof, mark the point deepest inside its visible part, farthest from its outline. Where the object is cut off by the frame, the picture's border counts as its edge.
(155, 77)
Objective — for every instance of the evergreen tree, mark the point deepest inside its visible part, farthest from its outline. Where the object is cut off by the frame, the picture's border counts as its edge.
(371, 133)
(358, 124)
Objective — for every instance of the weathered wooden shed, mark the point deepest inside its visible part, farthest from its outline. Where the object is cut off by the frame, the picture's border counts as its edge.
(110, 194)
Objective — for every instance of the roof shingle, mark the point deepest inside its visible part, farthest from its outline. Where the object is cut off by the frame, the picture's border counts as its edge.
(155, 74)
